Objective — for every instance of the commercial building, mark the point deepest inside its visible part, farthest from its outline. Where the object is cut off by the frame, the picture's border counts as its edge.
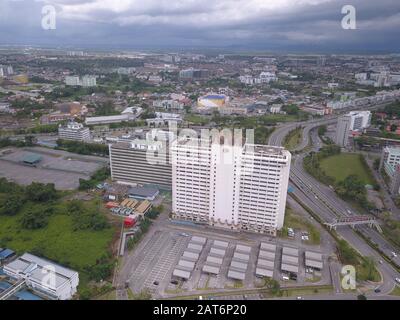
(141, 162)
(86, 81)
(74, 131)
(44, 276)
(234, 187)
(343, 130)
(360, 120)
(390, 164)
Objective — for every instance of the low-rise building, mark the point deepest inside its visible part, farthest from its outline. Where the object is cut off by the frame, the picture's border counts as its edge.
(74, 131)
(44, 276)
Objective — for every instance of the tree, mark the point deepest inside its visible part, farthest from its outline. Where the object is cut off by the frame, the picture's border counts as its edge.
(361, 297)
(12, 204)
(41, 192)
(35, 218)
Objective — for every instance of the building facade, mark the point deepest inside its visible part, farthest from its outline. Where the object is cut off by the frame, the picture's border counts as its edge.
(343, 130)
(141, 162)
(235, 187)
(390, 165)
(74, 131)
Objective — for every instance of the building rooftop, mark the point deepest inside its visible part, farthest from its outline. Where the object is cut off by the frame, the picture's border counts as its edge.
(143, 192)
(32, 158)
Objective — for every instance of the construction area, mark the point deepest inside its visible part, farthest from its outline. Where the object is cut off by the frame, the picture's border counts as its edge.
(37, 164)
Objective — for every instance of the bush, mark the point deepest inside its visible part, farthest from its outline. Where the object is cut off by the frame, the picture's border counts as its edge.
(36, 218)
(41, 192)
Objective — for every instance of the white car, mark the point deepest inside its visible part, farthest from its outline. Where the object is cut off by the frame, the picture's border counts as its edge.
(397, 280)
(394, 254)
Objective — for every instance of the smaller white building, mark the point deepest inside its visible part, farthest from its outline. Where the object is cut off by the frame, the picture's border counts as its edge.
(44, 276)
(74, 131)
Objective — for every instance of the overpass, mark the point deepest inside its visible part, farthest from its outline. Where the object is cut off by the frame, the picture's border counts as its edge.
(353, 221)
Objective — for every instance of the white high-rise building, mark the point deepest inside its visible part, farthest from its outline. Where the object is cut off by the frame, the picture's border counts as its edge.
(234, 187)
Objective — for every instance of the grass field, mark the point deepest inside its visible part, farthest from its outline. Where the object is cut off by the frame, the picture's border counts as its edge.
(57, 241)
(341, 166)
(297, 222)
(293, 139)
(396, 291)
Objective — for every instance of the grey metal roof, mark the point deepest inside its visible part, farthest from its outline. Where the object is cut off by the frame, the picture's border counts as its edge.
(197, 239)
(191, 255)
(237, 275)
(238, 265)
(145, 192)
(268, 255)
(217, 252)
(181, 273)
(241, 256)
(265, 263)
(264, 272)
(242, 248)
(290, 251)
(214, 260)
(220, 244)
(314, 264)
(290, 260)
(289, 268)
(268, 246)
(313, 255)
(194, 247)
(211, 269)
(186, 264)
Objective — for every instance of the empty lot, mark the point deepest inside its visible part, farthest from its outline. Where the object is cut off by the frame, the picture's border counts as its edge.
(59, 167)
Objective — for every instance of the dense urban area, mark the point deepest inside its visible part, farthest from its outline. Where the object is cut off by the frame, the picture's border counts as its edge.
(104, 187)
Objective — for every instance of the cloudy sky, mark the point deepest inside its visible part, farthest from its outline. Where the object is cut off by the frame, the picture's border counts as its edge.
(270, 25)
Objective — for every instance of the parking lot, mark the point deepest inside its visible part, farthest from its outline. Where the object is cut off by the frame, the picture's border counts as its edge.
(153, 263)
(59, 167)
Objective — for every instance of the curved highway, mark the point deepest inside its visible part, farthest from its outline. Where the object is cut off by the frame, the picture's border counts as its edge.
(324, 202)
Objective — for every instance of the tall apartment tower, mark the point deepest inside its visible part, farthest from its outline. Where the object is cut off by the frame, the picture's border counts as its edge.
(235, 187)
(343, 130)
(141, 162)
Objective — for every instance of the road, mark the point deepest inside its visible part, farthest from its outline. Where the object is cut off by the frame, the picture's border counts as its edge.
(324, 202)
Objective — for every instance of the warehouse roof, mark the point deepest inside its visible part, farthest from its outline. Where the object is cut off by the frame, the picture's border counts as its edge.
(32, 158)
(197, 239)
(214, 260)
(187, 264)
(237, 275)
(267, 255)
(290, 251)
(241, 256)
(217, 252)
(267, 246)
(181, 273)
(290, 260)
(238, 265)
(242, 248)
(211, 269)
(221, 244)
(194, 247)
(143, 192)
(190, 255)
(265, 263)
(314, 264)
(313, 255)
(6, 253)
(264, 272)
(289, 268)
